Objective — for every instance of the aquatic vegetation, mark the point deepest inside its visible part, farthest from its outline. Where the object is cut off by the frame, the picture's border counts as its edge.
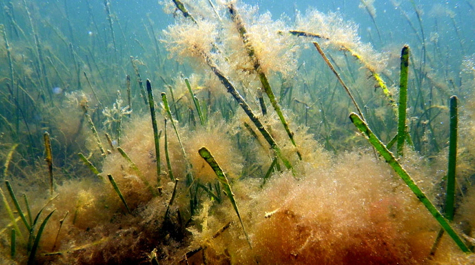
(262, 164)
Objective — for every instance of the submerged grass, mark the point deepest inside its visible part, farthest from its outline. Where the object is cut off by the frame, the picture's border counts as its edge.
(49, 161)
(10, 214)
(391, 160)
(43, 91)
(449, 208)
(13, 243)
(325, 58)
(117, 190)
(255, 61)
(17, 205)
(8, 160)
(34, 248)
(167, 155)
(195, 102)
(156, 134)
(401, 132)
(206, 155)
(138, 171)
(189, 174)
(90, 165)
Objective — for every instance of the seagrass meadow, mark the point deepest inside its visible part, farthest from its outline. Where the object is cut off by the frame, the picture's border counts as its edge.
(235, 132)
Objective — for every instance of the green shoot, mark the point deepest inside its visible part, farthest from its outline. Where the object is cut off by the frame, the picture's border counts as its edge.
(325, 58)
(451, 172)
(31, 258)
(117, 190)
(10, 213)
(167, 156)
(90, 165)
(401, 131)
(258, 69)
(28, 210)
(269, 171)
(391, 160)
(13, 244)
(171, 199)
(206, 155)
(8, 160)
(94, 130)
(137, 170)
(17, 205)
(179, 5)
(247, 109)
(196, 102)
(156, 134)
(49, 161)
(189, 179)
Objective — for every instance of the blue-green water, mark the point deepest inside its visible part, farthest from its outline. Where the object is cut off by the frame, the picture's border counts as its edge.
(82, 71)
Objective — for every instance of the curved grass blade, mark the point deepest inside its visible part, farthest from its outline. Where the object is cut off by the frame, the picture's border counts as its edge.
(377, 77)
(206, 155)
(10, 213)
(8, 159)
(391, 160)
(31, 258)
(17, 205)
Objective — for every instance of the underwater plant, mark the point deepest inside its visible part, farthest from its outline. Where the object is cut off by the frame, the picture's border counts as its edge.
(241, 152)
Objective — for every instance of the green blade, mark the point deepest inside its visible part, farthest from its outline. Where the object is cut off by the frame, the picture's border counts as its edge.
(391, 160)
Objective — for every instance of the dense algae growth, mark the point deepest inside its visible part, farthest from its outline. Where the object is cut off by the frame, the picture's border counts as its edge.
(221, 136)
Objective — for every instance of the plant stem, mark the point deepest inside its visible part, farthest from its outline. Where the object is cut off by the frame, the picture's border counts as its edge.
(117, 190)
(208, 157)
(196, 102)
(401, 131)
(451, 172)
(325, 58)
(90, 165)
(247, 109)
(167, 156)
(137, 170)
(189, 167)
(156, 134)
(258, 69)
(17, 205)
(49, 161)
(391, 160)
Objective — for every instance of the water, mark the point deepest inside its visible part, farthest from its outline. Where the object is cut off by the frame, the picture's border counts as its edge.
(296, 181)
